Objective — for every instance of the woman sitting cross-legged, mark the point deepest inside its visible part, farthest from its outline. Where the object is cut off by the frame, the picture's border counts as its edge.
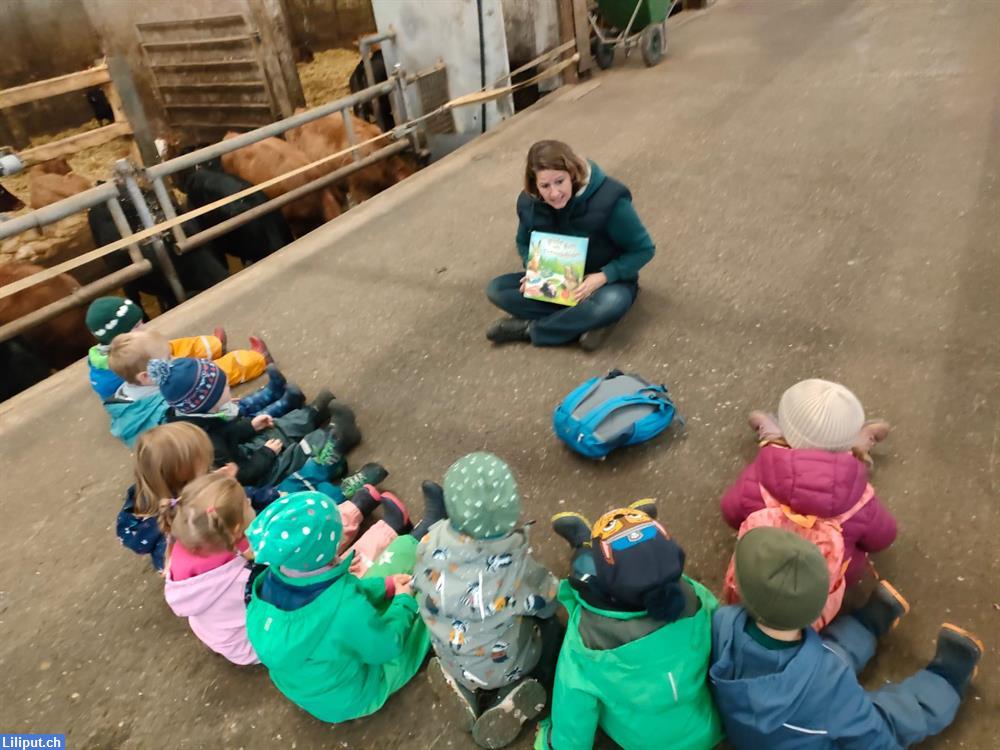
(567, 195)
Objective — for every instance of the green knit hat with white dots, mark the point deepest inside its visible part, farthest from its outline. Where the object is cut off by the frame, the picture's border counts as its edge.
(481, 496)
(299, 531)
(109, 316)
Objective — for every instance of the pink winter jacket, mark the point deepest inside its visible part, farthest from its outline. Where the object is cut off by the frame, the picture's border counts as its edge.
(815, 483)
(214, 605)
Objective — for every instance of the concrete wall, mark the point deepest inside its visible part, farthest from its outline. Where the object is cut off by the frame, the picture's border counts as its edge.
(41, 39)
(322, 24)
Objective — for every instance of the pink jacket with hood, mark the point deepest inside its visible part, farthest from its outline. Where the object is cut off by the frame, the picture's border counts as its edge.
(815, 483)
(215, 608)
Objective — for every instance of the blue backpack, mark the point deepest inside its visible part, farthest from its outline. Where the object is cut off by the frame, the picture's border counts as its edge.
(606, 413)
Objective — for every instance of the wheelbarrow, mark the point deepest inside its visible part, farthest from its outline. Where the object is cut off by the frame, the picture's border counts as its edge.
(629, 24)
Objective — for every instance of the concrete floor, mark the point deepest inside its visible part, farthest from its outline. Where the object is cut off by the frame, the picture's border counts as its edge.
(823, 183)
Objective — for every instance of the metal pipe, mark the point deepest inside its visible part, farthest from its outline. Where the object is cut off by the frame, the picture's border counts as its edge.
(187, 161)
(126, 172)
(197, 240)
(123, 227)
(352, 139)
(59, 210)
(167, 205)
(76, 298)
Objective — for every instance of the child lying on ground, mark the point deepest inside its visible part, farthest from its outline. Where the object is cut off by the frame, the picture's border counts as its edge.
(638, 641)
(264, 449)
(484, 600)
(108, 317)
(170, 456)
(335, 645)
(816, 475)
(780, 685)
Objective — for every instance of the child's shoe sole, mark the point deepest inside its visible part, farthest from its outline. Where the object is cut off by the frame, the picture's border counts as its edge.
(964, 639)
(450, 694)
(499, 726)
(896, 601)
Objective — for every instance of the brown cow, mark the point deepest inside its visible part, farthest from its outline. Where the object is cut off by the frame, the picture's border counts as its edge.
(59, 341)
(54, 180)
(327, 135)
(271, 157)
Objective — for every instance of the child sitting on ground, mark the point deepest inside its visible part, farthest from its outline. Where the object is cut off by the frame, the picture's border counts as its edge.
(638, 641)
(336, 645)
(816, 475)
(483, 599)
(780, 685)
(108, 317)
(170, 456)
(265, 450)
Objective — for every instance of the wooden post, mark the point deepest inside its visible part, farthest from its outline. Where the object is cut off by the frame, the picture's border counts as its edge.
(567, 32)
(582, 27)
(131, 108)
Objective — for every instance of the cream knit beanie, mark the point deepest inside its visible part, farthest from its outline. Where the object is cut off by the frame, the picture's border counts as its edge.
(820, 415)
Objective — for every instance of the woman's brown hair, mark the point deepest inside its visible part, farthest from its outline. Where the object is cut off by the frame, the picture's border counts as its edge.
(209, 516)
(167, 458)
(553, 155)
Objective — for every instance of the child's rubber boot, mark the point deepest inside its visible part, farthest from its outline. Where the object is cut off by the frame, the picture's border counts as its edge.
(372, 474)
(459, 702)
(434, 509)
(647, 505)
(591, 341)
(573, 527)
(220, 333)
(292, 399)
(344, 426)
(508, 330)
(329, 454)
(957, 656)
(394, 511)
(253, 404)
(257, 345)
(883, 610)
(321, 405)
(366, 499)
(499, 725)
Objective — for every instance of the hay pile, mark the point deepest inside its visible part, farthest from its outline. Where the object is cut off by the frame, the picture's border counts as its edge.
(326, 77)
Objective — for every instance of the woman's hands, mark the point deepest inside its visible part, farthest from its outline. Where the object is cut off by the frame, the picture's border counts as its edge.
(590, 284)
(524, 280)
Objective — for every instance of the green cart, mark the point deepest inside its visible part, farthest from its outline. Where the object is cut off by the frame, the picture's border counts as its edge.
(628, 24)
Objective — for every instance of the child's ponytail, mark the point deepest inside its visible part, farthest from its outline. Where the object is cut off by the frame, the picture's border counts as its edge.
(167, 514)
(209, 516)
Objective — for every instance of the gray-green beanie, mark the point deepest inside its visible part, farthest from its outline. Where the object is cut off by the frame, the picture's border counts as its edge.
(782, 578)
(481, 496)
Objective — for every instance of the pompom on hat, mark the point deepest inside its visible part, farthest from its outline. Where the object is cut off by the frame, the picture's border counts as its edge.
(109, 316)
(820, 415)
(191, 386)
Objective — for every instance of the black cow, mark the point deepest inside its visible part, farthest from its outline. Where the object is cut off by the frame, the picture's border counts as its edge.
(198, 270)
(99, 105)
(250, 242)
(357, 83)
(20, 368)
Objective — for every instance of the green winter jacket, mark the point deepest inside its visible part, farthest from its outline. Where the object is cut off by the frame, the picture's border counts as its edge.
(343, 654)
(651, 693)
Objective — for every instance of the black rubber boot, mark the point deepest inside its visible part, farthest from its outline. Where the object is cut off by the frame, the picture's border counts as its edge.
(573, 527)
(883, 610)
(647, 505)
(507, 330)
(321, 405)
(394, 511)
(366, 500)
(957, 656)
(344, 427)
(434, 510)
(499, 725)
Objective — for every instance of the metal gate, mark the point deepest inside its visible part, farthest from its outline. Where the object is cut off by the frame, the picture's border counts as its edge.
(209, 75)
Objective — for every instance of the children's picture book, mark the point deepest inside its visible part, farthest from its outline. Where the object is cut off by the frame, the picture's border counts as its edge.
(555, 267)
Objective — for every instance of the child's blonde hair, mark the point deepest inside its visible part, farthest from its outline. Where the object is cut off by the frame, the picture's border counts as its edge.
(210, 515)
(167, 457)
(130, 353)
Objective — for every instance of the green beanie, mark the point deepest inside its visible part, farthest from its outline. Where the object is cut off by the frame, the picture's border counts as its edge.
(481, 496)
(299, 531)
(782, 578)
(109, 316)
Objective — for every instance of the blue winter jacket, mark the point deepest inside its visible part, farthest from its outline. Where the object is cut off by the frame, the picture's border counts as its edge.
(141, 535)
(129, 419)
(804, 698)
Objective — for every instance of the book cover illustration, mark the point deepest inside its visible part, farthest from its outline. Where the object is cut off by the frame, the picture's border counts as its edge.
(555, 267)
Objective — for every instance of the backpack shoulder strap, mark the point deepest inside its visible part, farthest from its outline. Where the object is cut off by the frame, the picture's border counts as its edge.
(866, 496)
(806, 522)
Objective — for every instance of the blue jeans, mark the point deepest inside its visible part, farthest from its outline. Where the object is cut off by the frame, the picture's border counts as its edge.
(554, 324)
(914, 709)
